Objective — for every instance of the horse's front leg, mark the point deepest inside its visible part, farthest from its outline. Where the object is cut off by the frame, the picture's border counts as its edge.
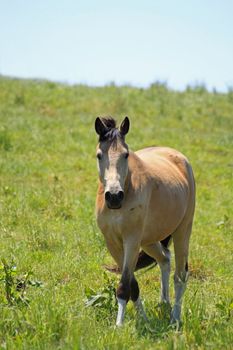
(128, 286)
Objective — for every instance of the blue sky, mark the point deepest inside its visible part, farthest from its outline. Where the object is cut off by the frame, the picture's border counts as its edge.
(128, 42)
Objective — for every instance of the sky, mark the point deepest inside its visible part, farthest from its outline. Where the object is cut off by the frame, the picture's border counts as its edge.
(181, 42)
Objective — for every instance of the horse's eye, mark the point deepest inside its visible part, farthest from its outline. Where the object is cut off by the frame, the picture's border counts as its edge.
(99, 156)
(126, 155)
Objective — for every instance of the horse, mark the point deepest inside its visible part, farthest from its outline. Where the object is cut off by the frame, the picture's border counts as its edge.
(145, 200)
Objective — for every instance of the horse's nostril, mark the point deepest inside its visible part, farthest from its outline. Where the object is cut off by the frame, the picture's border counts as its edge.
(107, 196)
(120, 195)
(114, 197)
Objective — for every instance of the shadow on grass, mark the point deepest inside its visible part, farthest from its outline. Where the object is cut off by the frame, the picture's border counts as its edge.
(158, 325)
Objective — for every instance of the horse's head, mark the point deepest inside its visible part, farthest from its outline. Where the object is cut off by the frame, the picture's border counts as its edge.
(112, 157)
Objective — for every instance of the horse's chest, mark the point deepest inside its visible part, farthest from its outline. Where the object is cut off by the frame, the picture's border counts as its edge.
(111, 223)
(117, 225)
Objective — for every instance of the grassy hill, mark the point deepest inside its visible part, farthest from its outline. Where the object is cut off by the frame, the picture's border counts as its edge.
(51, 248)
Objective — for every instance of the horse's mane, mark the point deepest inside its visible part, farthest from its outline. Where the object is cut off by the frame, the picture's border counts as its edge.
(109, 122)
(112, 132)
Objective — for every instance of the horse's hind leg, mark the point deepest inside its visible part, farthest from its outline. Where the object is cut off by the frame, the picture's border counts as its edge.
(181, 247)
(162, 255)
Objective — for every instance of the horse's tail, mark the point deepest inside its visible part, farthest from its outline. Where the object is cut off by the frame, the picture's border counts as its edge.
(144, 260)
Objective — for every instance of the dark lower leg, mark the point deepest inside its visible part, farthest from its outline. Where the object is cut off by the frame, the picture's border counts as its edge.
(131, 250)
(134, 289)
(128, 288)
(124, 288)
(123, 296)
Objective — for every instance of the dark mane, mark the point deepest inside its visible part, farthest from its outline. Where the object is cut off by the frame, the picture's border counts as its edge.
(109, 122)
(112, 132)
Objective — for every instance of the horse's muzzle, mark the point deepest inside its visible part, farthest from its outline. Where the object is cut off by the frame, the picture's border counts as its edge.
(114, 200)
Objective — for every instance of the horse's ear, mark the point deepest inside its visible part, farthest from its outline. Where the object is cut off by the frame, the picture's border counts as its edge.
(124, 127)
(100, 128)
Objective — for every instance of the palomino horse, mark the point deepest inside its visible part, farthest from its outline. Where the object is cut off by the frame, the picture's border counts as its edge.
(144, 198)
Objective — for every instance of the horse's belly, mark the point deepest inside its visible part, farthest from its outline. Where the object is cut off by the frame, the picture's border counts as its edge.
(157, 229)
(164, 214)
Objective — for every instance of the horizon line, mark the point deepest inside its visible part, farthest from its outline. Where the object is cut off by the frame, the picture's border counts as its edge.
(202, 85)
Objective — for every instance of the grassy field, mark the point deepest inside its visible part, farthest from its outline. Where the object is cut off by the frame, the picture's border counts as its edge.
(51, 249)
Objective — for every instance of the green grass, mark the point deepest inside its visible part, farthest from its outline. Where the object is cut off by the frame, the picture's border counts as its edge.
(48, 180)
